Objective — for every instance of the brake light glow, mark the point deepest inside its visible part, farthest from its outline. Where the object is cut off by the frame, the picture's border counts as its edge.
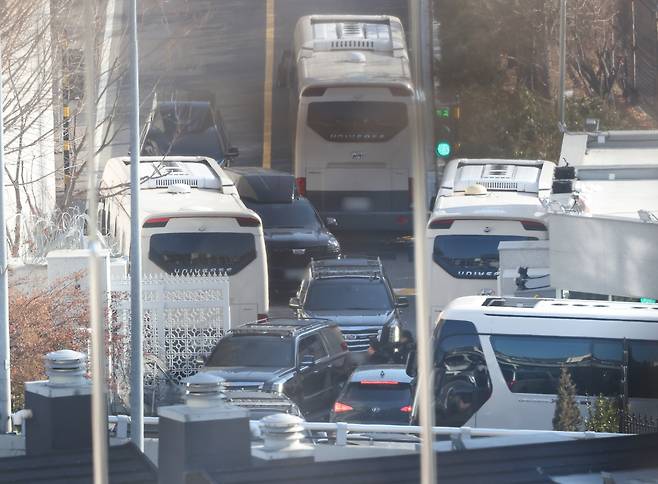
(378, 382)
(248, 222)
(156, 222)
(406, 409)
(341, 407)
(301, 186)
(442, 223)
(533, 225)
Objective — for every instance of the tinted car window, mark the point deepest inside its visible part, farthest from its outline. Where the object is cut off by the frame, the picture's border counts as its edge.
(463, 383)
(643, 369)
(226, 252)
(261, 350)
(312, 345)
(348, 294)
(357, 121)
(470, 256)
(532, 364)
(297, 214)
(334, 339)
(393, 396)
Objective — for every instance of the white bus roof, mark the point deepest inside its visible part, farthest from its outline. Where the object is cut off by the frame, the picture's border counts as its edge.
(348, 50)
(203, 187)
(585, 318)
(514, 189)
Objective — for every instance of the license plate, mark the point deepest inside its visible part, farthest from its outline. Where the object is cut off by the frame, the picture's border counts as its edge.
(356, 204)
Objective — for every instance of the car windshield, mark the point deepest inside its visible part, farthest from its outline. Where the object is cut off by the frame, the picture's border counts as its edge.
(297, 214)
(348, 294)
(383, 395)
(253, 350)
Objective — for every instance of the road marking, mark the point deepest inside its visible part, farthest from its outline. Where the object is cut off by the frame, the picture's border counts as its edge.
(267, 88)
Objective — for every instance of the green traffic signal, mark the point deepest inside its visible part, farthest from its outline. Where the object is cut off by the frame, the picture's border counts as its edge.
(443, 149)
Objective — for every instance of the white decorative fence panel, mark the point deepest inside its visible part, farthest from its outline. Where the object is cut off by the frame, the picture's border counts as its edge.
(184, 317)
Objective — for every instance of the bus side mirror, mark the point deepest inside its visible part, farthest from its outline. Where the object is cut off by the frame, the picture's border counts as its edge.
(411, 368)
(232, 152)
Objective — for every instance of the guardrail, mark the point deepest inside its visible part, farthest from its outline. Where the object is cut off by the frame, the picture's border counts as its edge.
(343, 430)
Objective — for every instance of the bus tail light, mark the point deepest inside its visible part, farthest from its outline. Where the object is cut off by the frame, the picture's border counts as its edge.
(248, 222)
(406, 409)
(301, 186)
(533, 225)
(341, 407)
(157, 222)
(442, 223)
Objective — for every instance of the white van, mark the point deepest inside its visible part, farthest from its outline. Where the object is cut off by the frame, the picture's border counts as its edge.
(481, 203)
(192, 220)
(498, 360)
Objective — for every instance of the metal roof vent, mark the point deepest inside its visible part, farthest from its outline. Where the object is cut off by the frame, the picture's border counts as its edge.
(350, 29)
(203, 390)
(283, 433)
(65, 368)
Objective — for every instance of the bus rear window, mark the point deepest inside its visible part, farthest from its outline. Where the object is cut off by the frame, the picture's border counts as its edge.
(180, 252)
(470, 256)
(357, 121)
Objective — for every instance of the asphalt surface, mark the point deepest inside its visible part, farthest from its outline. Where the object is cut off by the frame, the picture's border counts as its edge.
(216, 49)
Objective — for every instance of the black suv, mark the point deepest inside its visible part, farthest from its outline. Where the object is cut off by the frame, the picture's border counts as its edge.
(356, 295)
(191, 128)
(294, 232)
(307, 360)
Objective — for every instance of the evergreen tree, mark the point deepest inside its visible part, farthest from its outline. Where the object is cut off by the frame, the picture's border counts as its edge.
(603, 416)
(567, 415)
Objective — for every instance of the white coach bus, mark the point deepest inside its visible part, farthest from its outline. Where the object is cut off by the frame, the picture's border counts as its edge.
(482, 202)
(351, 91)
(192, 220)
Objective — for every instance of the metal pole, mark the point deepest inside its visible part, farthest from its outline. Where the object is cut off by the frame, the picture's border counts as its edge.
(96, 310)
(424, 349)
(563, 43)
(136, 330)
(426, 60)
(5, 369)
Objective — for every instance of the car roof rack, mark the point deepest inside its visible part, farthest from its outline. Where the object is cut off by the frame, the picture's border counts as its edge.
(361, 267)
(281, 326)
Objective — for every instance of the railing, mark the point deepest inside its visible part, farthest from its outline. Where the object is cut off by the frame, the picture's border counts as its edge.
(342, 430)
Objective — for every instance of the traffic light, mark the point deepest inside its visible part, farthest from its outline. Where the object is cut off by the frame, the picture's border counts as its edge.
(446, 118)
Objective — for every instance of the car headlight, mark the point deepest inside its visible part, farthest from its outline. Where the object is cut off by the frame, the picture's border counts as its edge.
(333, 246)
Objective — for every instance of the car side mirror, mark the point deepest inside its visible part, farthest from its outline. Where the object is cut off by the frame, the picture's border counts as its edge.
(201, 360)
(233, 152)
(307, 361)
(331, 222)
(411, 368)
(401, 302)
(294, 303)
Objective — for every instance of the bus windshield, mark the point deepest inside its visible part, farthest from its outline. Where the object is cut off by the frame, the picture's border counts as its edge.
(357, 121)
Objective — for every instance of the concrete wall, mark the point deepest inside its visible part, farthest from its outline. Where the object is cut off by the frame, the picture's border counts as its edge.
(604, 255)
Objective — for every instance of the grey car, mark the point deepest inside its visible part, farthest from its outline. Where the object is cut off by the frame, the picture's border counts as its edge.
(355, 294)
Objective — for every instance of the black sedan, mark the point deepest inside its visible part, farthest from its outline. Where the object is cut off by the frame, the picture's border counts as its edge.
(375, 394)
(294, 232)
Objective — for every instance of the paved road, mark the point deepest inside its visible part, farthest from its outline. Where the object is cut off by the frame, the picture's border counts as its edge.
(217, 48)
